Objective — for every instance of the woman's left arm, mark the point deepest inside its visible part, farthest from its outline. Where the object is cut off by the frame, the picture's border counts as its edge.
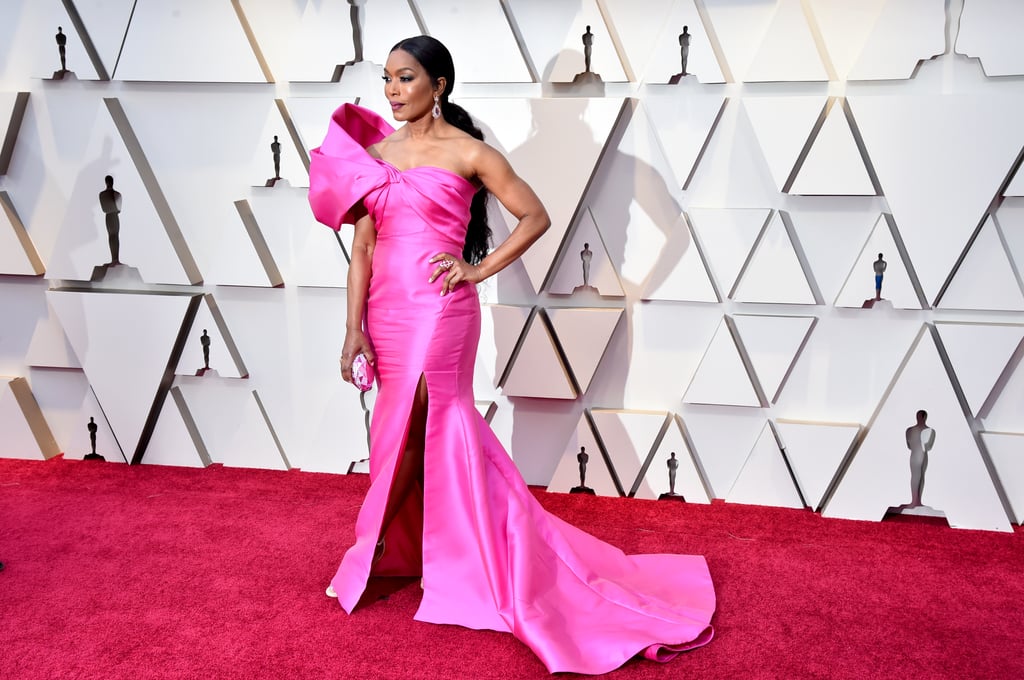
(494, 171)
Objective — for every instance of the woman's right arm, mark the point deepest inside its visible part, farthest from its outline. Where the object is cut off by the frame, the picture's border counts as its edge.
(356, 341)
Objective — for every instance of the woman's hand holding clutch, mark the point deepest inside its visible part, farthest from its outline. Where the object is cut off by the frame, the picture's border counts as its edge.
(356, 344)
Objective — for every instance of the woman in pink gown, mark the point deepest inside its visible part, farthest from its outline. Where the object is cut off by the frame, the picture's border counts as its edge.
(445, 501)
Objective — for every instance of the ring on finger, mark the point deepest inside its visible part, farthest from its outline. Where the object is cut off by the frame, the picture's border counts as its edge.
(446, 264)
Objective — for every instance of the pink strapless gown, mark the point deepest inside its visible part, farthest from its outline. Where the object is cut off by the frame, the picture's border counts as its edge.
(491, 556)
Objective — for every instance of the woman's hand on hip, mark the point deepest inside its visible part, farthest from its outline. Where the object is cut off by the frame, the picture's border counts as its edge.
(453, 271)
(356, 343)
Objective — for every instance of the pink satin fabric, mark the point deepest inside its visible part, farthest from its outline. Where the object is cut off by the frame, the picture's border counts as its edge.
(491, 557)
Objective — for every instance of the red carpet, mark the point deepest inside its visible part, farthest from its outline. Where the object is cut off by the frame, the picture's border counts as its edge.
(116, 572)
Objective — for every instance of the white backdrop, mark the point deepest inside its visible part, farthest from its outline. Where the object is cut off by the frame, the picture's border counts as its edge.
(732, 219)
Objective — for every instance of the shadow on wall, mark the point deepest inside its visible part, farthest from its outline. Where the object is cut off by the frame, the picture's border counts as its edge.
(618, 181)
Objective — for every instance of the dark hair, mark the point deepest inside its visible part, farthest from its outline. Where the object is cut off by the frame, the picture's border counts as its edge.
(435, 58)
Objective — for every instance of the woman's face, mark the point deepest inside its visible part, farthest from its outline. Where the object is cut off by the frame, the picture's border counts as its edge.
(408, 87)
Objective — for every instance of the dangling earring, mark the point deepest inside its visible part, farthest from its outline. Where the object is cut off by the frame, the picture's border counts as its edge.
(436, 111)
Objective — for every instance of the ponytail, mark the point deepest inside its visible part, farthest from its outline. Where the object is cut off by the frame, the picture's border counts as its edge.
(478, 233)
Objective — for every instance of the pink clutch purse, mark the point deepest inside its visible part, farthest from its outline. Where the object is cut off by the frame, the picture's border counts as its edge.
(362, 373)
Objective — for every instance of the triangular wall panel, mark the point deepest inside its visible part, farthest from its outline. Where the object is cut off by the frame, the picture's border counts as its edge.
(553, 33)
(722, 377)
(722, 439)
(891, 51)
(343, 416)
(689, 482)
(680, 273)
(740, 33)
(12, 112)
(987, 31)
(939, 182)
(537, 369)
(788, 51)
(526, 130)
(765, 477)
(649, 30)
(956, 480)
(774, 273)
(1010, 218)
(218, 49)
(815, 451)
(307, 253)
(231, 423)
(1016, 186)
(448, 21)
(783, 126)
(897, 286)
(583, 334)
(585, 264)
(833, 166)
(507, 324)
(567, 472)
(628, 438)
(125, 342)
(1007, 453)
(107, 22)
(225, 359)
(26, 433)
(307, 41)
(68, 403)
(727, 236)
(638, 210)
(684, 122)
(18, 254)
(82, 242)
(773, 344)
(831, 232)
(176, 439)
(50, 346)
(1003, 412)
(985, 278)
(979, 354)
(844, 28)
